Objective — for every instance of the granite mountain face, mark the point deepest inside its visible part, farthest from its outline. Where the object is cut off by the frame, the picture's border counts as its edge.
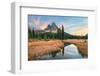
(51, 28)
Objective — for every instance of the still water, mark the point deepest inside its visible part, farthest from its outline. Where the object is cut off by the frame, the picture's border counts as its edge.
(70, 52)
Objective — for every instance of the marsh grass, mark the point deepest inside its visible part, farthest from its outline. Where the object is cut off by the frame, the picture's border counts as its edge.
(38, 48)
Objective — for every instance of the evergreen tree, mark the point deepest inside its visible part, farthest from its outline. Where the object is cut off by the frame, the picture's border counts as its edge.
(45, 37)
(62, 35)
(33, 33)
(58, 33)
(29, 33)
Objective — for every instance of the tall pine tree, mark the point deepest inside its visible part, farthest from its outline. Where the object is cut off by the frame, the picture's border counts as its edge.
(62, 35)
(33, 33)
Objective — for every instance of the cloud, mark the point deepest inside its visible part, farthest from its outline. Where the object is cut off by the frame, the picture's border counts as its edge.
(43, 26)
(36, 21)
(37, 24)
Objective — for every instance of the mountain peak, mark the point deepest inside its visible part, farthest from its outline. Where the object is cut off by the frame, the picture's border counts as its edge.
(51, 27)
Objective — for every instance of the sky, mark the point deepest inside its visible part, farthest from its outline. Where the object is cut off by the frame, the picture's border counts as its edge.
(75, 25)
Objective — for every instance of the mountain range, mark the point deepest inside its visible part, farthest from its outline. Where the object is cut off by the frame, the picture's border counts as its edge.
(53, 28)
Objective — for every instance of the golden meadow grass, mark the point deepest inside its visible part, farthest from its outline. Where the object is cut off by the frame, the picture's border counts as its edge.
(38, 48)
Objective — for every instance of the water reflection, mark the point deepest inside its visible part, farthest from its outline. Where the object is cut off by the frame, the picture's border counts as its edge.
(70, 52)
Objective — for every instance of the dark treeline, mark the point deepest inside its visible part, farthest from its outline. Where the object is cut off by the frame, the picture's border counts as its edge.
(50, 35)
(46, 35)
(68, 36)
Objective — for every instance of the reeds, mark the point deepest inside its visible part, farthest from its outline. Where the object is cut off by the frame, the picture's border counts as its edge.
(36, 49)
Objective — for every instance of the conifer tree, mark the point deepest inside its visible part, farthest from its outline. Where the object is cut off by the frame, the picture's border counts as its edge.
(33, 33)
(62, 35)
